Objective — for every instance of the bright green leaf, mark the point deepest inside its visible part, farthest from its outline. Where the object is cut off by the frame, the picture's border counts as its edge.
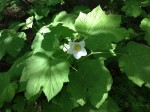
(136, 64)
(84, 83)
(96, 22)
(145, 25)
(29, 23)
(42, 72)
(100, 28)
(66, 19)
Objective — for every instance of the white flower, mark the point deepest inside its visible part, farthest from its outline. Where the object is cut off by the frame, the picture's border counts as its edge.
(77, 49)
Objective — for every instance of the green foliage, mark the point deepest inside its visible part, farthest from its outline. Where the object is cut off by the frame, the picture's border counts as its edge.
(8, 42)
(44, 73)
(132, 8)
(97, 22)
(8, 88)
(145, 25)
(83, 83)
(39, 73)
(136, 63)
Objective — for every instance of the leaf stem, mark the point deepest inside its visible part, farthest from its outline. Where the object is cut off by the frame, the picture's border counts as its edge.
(73, 68)
(106, 53)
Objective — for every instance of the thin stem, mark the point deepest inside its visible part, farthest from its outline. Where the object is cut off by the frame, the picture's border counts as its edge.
(73, 68)
(106, 53)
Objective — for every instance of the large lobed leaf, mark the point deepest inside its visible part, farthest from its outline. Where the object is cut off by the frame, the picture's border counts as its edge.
(91, 82)
(43, 73)
(100, 28)
(137, 63)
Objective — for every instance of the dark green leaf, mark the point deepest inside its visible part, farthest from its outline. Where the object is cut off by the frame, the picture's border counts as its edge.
(11, 42)
(137, 63)
(7, 88)
(132, 8)
(84, 83)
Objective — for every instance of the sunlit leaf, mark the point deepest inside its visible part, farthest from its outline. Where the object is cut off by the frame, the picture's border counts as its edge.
(100, 28)
(96, 22)
(145, 25)
(66, 19)
(29, 23)
(42, 72)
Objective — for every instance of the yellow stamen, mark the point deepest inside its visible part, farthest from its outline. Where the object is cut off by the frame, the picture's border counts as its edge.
(77, 47)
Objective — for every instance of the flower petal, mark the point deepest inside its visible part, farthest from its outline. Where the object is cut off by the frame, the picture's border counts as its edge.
(77, 55)
(65, 47)
(83, 52)
(82, 43)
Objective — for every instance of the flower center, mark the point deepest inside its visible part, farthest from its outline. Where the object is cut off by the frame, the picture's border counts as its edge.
(77, 47)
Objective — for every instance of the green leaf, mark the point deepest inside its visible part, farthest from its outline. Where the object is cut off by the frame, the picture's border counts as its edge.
(66, 19)
(61, 103)
(100, 29)
(92, 81)
(3, 3)
(145, 3)
(132, 8)
(11, 43)
(96, 22)
(108, 106)
(103, 40)
(136, 64)
(50, 42)
(145, 25)
(15, 71)
(97, 42)
(39, 14)
(37, 45)
(41, 72)
(7, 88)
(19, 104)
(47, 40)
(29, 23)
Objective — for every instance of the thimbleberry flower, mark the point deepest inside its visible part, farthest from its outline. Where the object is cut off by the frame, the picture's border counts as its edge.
(77, 49)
